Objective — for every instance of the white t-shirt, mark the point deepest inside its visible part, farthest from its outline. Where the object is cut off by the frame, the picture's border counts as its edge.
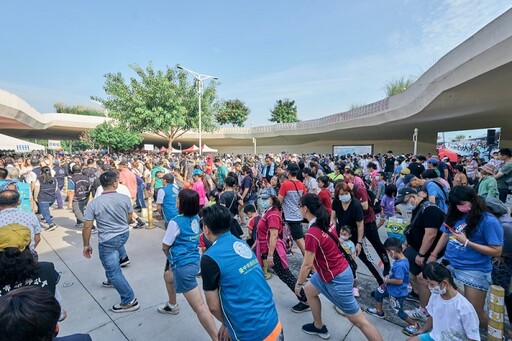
(454, 319)
(173, 231)
(121, 189)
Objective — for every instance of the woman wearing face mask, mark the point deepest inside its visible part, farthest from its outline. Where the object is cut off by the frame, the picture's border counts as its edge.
(348, 211)
(450, 312)
(333, 277)
(271, 249)
(472, 236)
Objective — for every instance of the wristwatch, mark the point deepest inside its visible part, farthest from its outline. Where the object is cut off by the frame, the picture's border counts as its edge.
(421, 255)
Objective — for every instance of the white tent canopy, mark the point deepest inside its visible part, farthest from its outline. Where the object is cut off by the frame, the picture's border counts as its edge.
(207, 149)
(19, 146)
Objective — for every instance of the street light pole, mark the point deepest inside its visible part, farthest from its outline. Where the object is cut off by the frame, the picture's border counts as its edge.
(200, 78)
(415, 140)
(254, 143)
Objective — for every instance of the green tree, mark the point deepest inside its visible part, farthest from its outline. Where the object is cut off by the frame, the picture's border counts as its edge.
(117, 137)
(163, 102)
(62, 108)
(233, 112)
(284, 111)
(459, 138)
(398, 85)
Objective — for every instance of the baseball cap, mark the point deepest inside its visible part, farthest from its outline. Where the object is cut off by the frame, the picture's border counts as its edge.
(405, 171)
(14, 235)
(408, 178)
(197, 172)
(403, 193)
(432, 161)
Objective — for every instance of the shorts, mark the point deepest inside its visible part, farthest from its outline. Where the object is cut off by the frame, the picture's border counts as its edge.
(185, 277)
(296, 229)
(425, 337)
(396, 303)
(339, 291)
(472, 278)
(411, 254)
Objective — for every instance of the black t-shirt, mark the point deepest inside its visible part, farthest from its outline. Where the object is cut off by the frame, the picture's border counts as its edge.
(210, 272)
(432, 217)
(350, 217)
(389, 164)
(230, 200)
(416, 168)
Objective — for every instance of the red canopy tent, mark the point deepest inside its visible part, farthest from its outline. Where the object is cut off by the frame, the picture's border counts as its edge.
(193, 149)
(163, 149)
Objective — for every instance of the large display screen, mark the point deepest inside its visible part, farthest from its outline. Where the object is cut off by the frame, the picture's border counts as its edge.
(353, 149)
(464, 143)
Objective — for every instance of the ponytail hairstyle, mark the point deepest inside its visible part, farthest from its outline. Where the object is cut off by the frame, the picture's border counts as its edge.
(46, 175)
(437, 272)
(315, 206)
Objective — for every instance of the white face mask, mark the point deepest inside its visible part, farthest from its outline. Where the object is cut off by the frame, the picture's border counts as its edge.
(343, 238)
(377, 177)
(436, 290)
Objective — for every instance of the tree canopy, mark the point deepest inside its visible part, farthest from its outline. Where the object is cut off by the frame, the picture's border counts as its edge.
(117, 137)
(233, 112)
(163, 102)
(284, 111)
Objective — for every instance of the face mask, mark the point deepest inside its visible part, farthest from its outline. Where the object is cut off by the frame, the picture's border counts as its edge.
(410, 207)
(344, 238)
(377, 178)
(464, 208)
(437, 290)
(345, 197)
(265, 204)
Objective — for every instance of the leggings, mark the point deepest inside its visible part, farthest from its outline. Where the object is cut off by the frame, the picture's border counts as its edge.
(371, 233)
(286, 276)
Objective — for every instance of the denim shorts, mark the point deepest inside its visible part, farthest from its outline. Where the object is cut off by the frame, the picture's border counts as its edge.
(185, 277)
(472, 278)
(339, 291)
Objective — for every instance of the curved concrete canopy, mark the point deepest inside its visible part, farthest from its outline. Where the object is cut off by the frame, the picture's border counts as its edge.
(470, 87)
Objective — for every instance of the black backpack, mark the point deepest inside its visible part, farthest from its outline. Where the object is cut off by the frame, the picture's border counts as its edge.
(82, 187)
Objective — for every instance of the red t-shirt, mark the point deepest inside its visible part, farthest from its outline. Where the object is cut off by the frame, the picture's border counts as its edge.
(325, 198)
(329, 261)
(271, 219)
(362, 196)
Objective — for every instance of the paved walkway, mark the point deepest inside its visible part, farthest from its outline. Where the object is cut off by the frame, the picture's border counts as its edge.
(88, 303)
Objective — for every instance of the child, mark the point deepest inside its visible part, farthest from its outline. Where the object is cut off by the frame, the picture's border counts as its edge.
(350, 248)
(451, 314)
(395, 286)
(388, 204)
(252, 226)
(254, 218)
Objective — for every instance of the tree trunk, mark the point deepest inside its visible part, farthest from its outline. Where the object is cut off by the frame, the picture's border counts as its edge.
(169, 147)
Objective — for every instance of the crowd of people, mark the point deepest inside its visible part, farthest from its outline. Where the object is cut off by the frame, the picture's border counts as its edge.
(234, 219)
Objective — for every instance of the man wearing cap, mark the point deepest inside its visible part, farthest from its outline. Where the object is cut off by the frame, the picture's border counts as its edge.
(289, 195)
(400, 181)
(472, 170)
(488, 186)
(422, 235)
(166, 198)
(435, 190)
(9, 214)
(416, 167)
(156, 182)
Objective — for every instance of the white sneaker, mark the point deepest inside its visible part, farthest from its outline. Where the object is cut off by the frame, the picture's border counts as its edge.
(418, 313)
(356, 292)
(167, 308)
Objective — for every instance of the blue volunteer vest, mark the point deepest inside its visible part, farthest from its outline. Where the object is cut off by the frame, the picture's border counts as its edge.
(249, 316)
(169, 208)
(185, 249)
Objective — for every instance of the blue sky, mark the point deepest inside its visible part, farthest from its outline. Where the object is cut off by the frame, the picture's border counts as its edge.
(325, 55)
